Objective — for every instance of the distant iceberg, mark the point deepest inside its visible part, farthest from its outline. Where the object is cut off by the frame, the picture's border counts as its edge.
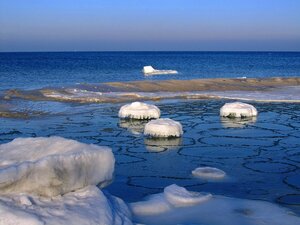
(149, 70)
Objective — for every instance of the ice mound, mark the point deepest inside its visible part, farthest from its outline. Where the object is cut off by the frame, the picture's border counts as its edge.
(208, 172)
(215, 210)
(149, 70)
(238, 110)
(179, 196)
(163, 128)
(52, 166)
(85, 206)
(139, 110)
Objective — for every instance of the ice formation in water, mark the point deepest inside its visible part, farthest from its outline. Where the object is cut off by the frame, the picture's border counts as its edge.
(211, 209)
(208, 172)
(179, 196)
(53, 181)
(52, 166)
(139, 110)
(238, 110)
(163, 128)
(149, 70)
(237, 122)
(88, 206)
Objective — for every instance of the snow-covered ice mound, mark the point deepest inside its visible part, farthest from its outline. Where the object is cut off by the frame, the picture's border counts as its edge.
(139, 110)
(163, 128)
(52, 166)
(179, 196)
(212, 210)
(208, 172)
(149, 70)
(238, 110)
(88, 206)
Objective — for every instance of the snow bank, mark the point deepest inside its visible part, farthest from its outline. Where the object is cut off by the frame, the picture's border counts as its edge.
(163, 128)
(139, 110)
(208, 172)
(52, 166)
(213, 210)
(238, 109)
(87, 206)
(149, 70)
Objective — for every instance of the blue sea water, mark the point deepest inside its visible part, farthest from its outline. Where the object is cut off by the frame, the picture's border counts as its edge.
(260, 155)
(36, 70)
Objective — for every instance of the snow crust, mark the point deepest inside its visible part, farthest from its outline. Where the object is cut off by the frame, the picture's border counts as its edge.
(149, 70)
(139, 110)
(238, 110)
(215, 210)
(87, 206)
(163, 128)
(52, 166)
(208, 172)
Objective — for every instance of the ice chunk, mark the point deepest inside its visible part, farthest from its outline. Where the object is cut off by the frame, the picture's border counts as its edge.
(149, 70)
(85, 206)
(52, 166)
(163, 128)
(139, 110)
(208, 172)
(216, 210)
(179, 196)
(237, 110)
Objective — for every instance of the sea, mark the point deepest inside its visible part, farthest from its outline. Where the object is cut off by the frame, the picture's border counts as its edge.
(37, 70)
(261, 155)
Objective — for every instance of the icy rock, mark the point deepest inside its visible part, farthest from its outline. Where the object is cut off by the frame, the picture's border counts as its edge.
(238, 110)
(163, 128)
(88, 206)
(216, 210)
(149, 70)
(208, 172)
(52, 166)
(179, 196)
(139, 110)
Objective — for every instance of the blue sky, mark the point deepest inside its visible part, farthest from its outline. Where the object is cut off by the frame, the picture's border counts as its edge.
(101, 25)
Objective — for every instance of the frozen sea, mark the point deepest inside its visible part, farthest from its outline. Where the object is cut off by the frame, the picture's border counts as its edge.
(260, 156)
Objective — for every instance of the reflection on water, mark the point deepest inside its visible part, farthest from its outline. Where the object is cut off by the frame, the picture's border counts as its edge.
(262, 158)
(237, 122)
(162, 144)
(135, 127)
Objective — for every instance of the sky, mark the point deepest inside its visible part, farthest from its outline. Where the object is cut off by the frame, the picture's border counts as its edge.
(149, 25)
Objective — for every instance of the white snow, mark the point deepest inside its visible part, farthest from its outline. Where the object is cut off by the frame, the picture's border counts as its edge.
(208, 172)
(163, 128)
(87, 206)
(52, 166)
(149, 70)
(179, 196)
(214, 210)
(139, 110)
(237, 110)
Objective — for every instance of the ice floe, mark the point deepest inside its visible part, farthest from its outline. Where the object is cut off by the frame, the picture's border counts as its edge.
(208, 172)
(163, 128)
(238, 110)
(88, 206)
(149, 70)
(52, 166)
(211, 209)
(139, 110)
